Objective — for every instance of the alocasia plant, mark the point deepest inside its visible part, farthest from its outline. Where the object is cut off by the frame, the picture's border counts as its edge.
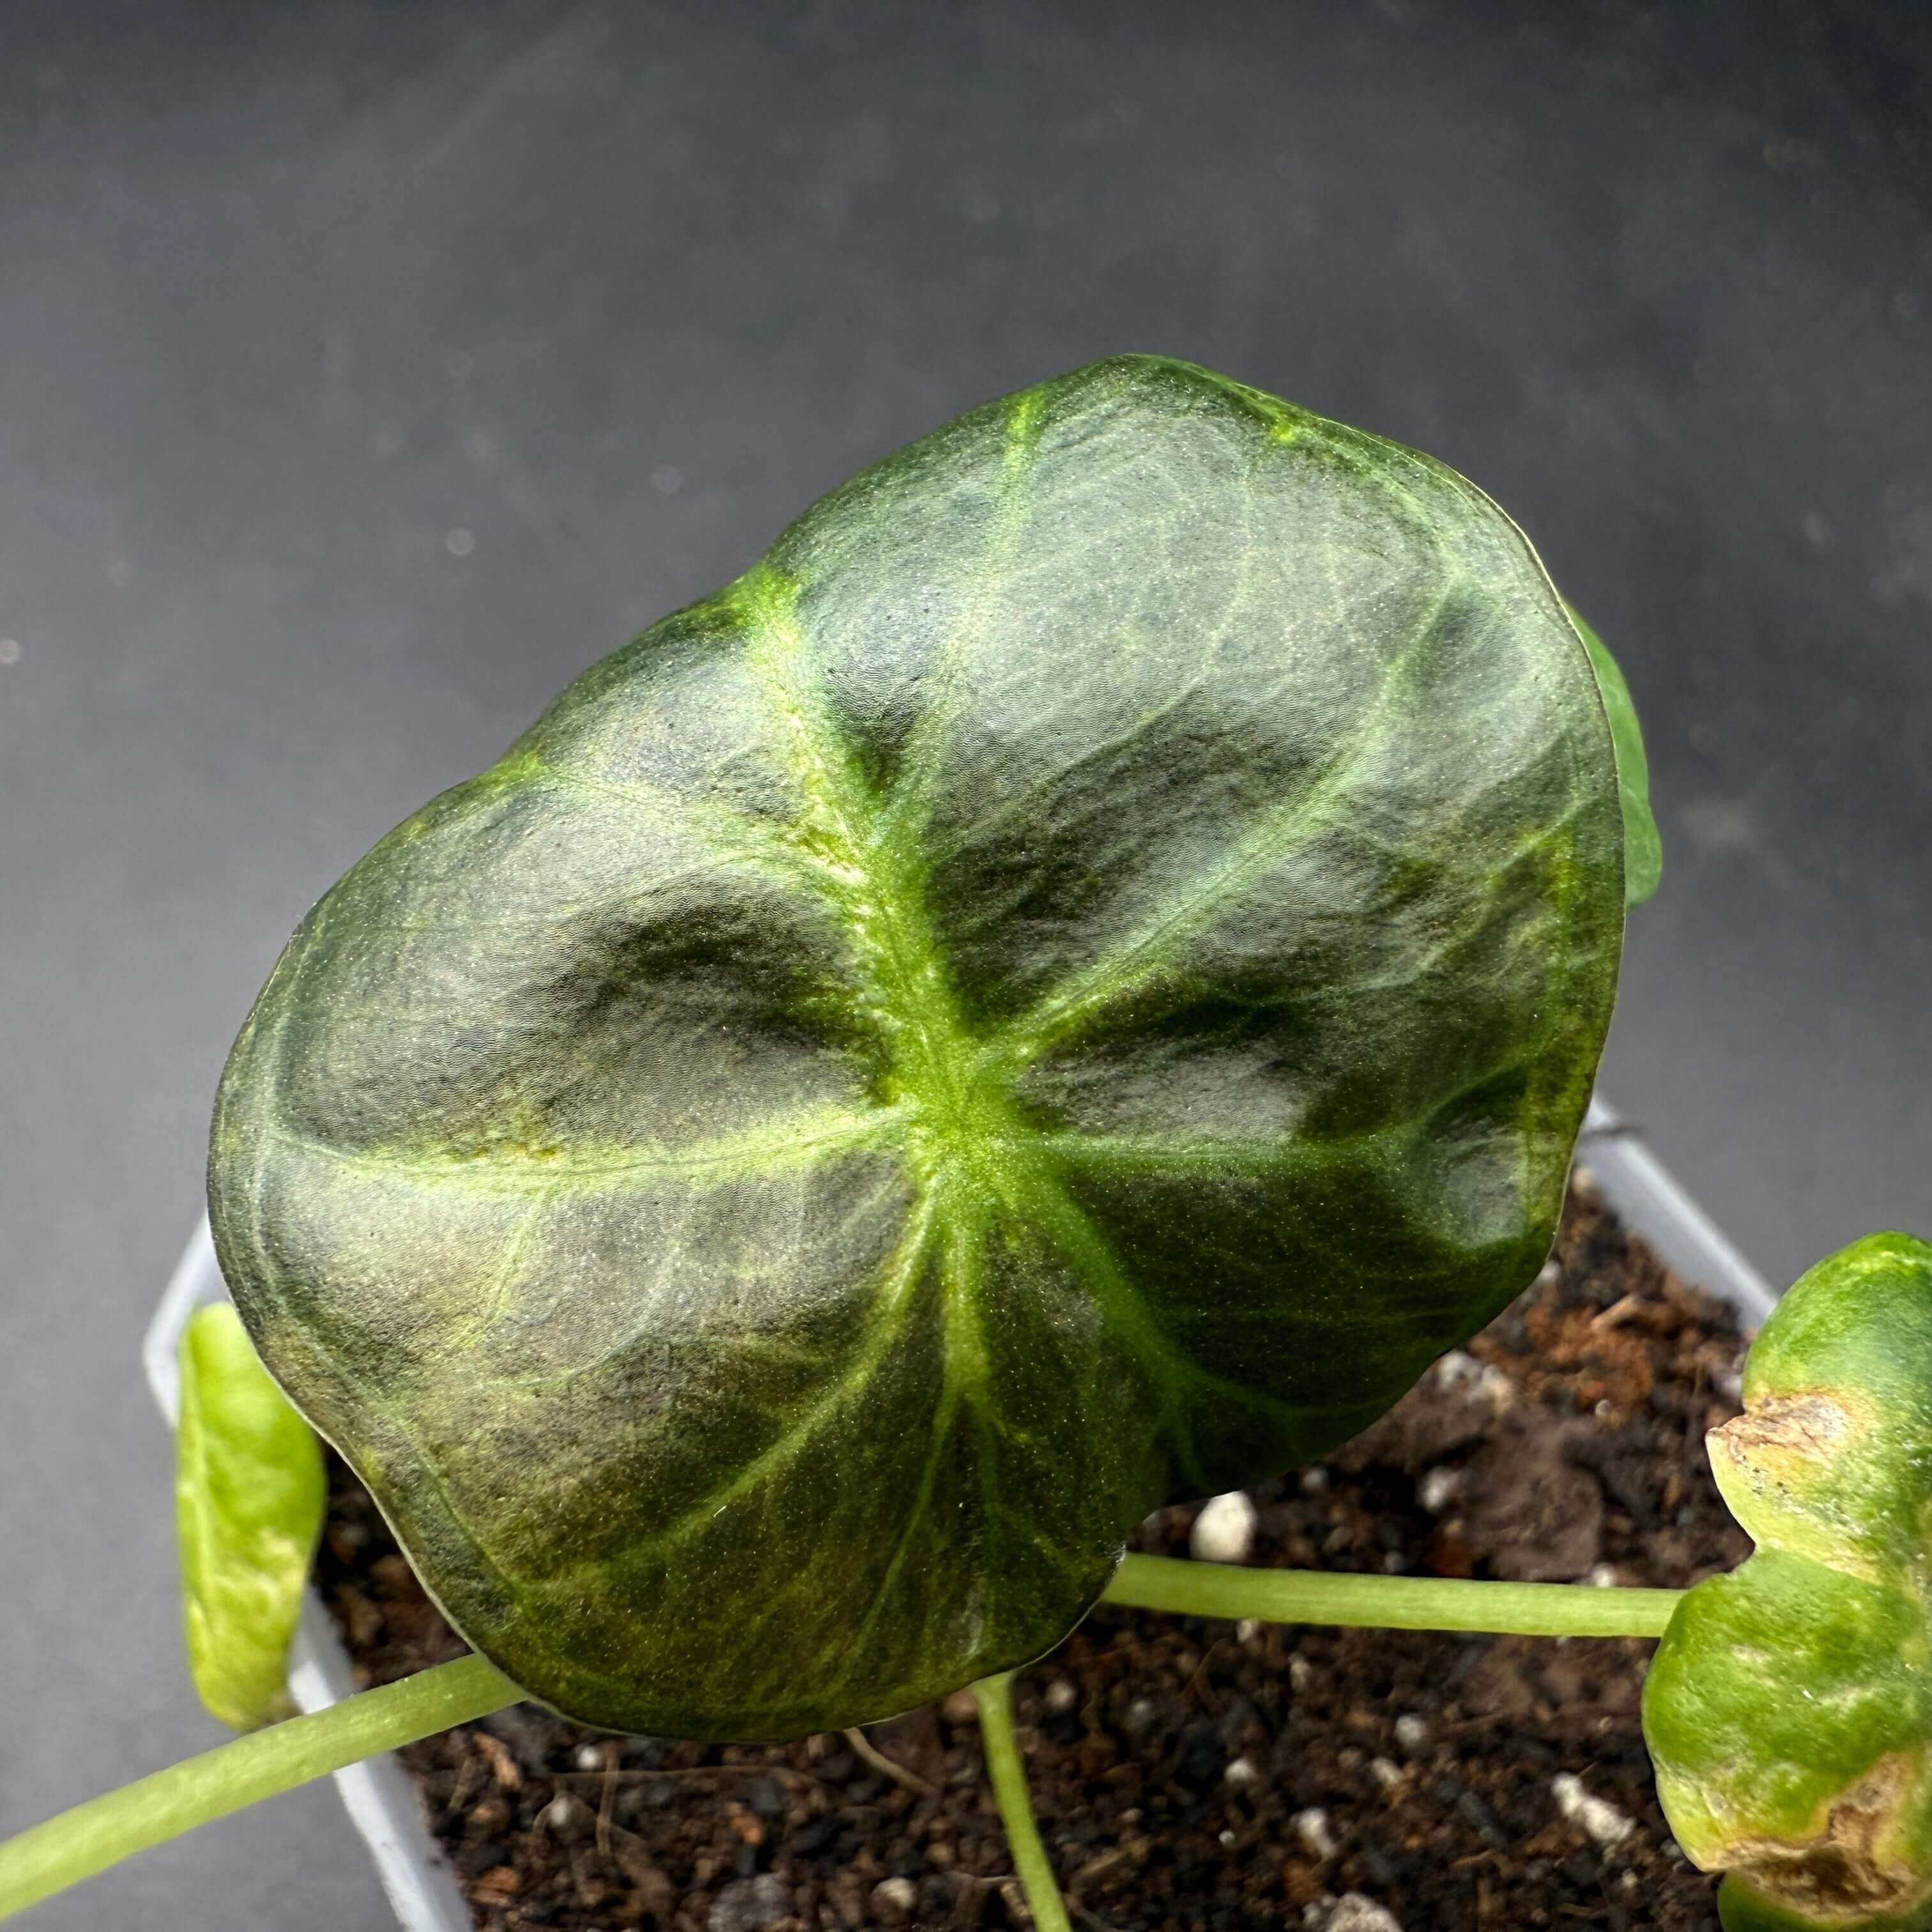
(1063, 987)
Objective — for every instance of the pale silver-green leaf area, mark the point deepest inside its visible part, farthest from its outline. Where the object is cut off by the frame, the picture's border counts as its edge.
(249, 1495)
(1063, 987)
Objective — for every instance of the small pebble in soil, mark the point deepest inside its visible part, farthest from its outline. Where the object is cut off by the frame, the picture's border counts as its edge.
(1313, 1482)
(1411, 1733)
(1385, 1771)
(1224, 1531)
(1060, 1697)
(1439, 1488)
(1604, 1821)
(1243, 1774)
(751, 1904)
(893, 1900)
(1356, 1912)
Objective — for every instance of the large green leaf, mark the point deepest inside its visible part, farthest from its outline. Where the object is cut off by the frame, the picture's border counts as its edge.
(1064, 987)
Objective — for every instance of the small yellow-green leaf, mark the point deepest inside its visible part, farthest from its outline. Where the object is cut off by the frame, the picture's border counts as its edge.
(249, 1497)
(1789, 1709)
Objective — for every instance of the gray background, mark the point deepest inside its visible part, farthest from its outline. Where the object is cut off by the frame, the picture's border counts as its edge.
(366, 371)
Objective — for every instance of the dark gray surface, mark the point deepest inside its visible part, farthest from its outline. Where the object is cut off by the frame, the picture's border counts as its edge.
(288, 297)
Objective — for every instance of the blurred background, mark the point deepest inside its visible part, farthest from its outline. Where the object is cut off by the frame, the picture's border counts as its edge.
(366, 371)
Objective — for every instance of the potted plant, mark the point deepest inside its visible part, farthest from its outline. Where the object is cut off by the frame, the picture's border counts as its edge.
(1061, 991)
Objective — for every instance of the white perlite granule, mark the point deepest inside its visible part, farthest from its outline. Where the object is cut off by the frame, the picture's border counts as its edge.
(893, 1900)
(1459, 1373)
(1311, 1827)
(1602, 1821)
(1224, 1531)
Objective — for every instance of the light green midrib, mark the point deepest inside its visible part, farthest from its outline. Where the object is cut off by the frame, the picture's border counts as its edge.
(908, 994)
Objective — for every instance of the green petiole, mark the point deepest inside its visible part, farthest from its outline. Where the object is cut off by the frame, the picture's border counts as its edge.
(1388, 1602)
(105, 1830)
(1005, 1768)
(77, 1844)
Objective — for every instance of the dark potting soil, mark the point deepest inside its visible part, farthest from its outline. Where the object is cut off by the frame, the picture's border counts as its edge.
(1189, 1773)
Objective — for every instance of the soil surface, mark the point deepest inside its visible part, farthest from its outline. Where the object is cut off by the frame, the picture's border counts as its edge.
(1189, 1773)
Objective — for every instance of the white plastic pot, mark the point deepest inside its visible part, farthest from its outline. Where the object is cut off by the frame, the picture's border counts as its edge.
(382, 1802)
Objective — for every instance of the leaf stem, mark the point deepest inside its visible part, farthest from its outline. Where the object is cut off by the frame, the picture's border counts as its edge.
(995, 1697)
(1388, 1602)
(88, 1839)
